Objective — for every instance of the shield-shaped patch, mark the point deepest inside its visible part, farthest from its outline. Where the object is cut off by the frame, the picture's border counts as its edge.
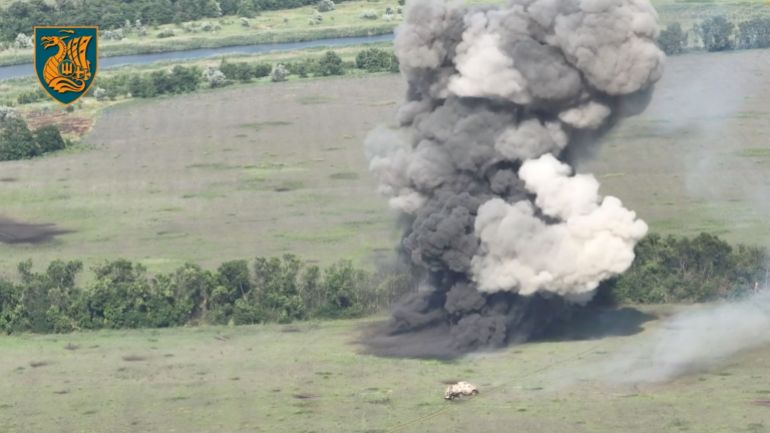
(66, 60)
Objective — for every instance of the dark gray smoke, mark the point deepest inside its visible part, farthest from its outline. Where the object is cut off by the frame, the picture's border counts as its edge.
(499, 100)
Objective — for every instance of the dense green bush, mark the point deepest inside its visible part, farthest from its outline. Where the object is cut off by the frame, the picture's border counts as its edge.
(754, 33)
(49, 139)
(30, 96)
(262, 69)
(238, 71)
(18, 142)
(181, 79)
(376, 60)
(681, 269)
(325, 6)
(716, 33)
(302, 68)
(330, 64)
(672, 40)
(123, 295)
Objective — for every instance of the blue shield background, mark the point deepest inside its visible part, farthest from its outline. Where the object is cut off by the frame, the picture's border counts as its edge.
(43, 54)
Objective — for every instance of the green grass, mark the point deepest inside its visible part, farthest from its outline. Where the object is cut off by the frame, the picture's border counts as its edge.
(309, 377)
(263, 175)
(268, 168)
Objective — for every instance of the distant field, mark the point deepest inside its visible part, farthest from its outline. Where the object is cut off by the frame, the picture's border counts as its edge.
(275, 168)
(292, 25)
(236, 173)
(286, 25)
(697, 159)
(309, 377)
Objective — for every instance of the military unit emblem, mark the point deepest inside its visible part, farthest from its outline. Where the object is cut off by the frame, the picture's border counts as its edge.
(66, 60)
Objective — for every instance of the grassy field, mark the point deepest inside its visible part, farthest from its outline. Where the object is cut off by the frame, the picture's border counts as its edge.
(11, 89)
(697, 159)
(311, 377)
(275, 168)
(246, 171)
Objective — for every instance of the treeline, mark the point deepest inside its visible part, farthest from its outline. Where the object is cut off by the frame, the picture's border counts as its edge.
(682, 269)
(717, 34)
(20, 16)
(182, 79)
(124, 295)
(17, 141)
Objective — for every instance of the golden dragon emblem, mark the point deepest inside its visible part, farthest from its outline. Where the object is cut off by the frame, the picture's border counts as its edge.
(68, 70)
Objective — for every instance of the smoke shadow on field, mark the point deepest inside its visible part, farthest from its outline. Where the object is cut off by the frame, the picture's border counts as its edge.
(14, 232)
(435, 340)
(432, 342)
(594, 322)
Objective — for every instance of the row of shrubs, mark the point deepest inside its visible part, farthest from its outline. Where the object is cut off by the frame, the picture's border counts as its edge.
(124, 295)
(182, 79)
(717, 34)
(682, 269)
(17, 141)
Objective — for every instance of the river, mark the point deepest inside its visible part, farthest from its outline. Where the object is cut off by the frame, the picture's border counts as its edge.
(26, 69)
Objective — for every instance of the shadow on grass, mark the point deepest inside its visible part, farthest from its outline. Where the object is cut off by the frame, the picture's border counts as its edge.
(14, 232)
(597, 322)
(435, 340)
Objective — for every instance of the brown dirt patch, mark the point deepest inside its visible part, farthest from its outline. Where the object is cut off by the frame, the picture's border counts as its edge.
(68, 123)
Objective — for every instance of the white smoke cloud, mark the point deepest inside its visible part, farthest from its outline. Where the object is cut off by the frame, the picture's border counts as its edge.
(693, 340)
(592, 240)
(590, 115)
(484, 70)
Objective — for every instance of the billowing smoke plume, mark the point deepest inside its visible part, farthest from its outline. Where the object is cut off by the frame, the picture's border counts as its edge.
(499, 101)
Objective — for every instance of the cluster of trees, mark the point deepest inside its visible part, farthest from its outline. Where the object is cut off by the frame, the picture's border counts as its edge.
(183, 79)
(17, 141)
(377, 60)
(180, 79)
(682, 269)
(370, 60)
(124, 295)
(241, 71)
(21, 15)
(718, 34)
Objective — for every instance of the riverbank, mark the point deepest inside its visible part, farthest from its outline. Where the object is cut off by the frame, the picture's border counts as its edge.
(10, 72)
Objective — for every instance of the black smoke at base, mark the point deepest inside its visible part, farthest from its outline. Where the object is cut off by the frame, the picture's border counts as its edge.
(421, 327)
(506, 238)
